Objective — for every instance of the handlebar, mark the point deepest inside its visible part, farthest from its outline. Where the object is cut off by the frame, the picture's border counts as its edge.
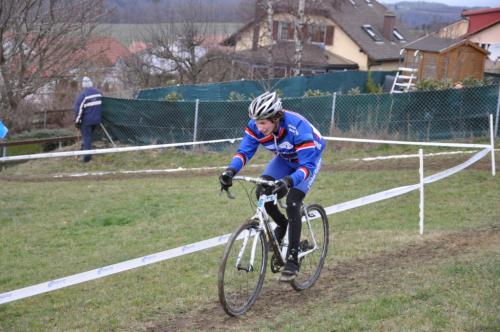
(249, 179)
(254, 180)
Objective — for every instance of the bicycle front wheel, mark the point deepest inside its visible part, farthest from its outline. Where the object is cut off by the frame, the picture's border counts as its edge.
(242, 268)
(314, 244)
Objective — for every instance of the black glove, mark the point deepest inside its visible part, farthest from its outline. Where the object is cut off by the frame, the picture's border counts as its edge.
(283, 185)
(226, 178)
(78, 125)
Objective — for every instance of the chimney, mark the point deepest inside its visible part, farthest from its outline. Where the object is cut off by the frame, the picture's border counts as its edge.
(389, 22)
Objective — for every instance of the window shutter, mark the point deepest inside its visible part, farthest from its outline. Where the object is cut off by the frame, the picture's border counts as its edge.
(290, 31)
(275, 30)
(305, 32)
(329, 35)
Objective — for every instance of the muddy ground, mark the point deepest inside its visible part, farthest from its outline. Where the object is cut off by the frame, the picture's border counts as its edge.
(337, 283)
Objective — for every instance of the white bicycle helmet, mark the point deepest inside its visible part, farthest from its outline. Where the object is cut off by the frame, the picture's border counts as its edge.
(265, 106)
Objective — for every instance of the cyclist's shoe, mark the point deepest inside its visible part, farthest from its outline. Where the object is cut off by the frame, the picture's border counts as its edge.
(291, 267)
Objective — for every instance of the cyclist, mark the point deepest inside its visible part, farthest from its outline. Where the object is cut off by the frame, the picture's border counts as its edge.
(298, 147)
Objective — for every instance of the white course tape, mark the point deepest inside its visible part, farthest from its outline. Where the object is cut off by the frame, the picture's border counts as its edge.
(148, 171)
(195, 169)
(194, 247)
(378, 141)
(380, 196)
(458, 168)
(111, 269)
(112, 150)
(409, 156)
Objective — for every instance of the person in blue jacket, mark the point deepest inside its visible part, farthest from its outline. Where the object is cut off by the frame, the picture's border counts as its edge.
(3, 130)
(88, 113)
(297, 147)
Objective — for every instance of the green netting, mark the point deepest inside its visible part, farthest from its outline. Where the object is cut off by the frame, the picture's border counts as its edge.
(426, 115)
(219, 119)
(454, 114)
(291, 87)
(139, 122)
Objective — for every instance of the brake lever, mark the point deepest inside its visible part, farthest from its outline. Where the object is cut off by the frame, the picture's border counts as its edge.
(228, 193)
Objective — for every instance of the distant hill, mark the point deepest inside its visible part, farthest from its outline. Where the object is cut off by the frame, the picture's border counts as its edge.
(427, 16)
(418, 15)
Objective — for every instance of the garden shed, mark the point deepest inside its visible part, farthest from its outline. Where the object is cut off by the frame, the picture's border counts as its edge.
(442, 58)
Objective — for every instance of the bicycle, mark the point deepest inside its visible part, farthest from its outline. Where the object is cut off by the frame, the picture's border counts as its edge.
(243, 265)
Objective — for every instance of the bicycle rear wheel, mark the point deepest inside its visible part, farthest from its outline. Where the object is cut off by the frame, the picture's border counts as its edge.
(242, 268)
(312, 263)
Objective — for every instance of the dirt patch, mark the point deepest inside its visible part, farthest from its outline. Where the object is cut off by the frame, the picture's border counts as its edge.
(337, 283)
(435, 164)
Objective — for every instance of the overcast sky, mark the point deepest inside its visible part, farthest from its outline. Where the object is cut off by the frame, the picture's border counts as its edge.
(465, 3)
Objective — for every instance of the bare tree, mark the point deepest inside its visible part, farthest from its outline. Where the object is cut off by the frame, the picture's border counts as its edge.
(184, 47)
(299, 38)
(298, 9)
(39, 43)
(301, 21)
(270, 24)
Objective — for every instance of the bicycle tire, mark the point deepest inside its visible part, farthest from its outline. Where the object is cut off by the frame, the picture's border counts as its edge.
(234, 300)
(312, 264)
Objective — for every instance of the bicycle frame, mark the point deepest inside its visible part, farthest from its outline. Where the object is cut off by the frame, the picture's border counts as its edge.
(264, 226)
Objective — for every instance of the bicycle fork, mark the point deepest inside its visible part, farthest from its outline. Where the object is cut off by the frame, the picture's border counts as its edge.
(315, 244)
(249, 267)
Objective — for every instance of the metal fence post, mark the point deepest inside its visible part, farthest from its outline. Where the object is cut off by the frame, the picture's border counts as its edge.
(492, 142)
(332, 121)
(498, 112)
(195, 134)
(421, 206)
(4, 154)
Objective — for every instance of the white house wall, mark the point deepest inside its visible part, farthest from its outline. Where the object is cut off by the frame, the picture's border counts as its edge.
(344, 46)
(490, 35)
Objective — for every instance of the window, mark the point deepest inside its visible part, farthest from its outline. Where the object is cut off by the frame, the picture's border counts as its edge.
(371, 32)
(398, 35)
(280, 72)
(316, 33)
(285, 31)
(369, 2)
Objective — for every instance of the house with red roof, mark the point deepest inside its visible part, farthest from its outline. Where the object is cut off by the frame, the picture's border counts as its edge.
(482, 27)
(106, 58)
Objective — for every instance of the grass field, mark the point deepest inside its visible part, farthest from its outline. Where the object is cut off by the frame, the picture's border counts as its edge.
(379, 274)
(127, 33)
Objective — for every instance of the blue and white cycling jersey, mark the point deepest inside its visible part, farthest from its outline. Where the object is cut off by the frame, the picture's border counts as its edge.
(296, 141)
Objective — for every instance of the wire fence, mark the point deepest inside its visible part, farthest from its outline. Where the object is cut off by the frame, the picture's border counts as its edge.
(459, 115)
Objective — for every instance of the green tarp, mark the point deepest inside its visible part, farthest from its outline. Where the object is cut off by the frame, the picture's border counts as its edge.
(331, 82)
(454, 114)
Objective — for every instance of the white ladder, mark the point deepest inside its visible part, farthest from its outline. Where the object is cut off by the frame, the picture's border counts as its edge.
(403, 82)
